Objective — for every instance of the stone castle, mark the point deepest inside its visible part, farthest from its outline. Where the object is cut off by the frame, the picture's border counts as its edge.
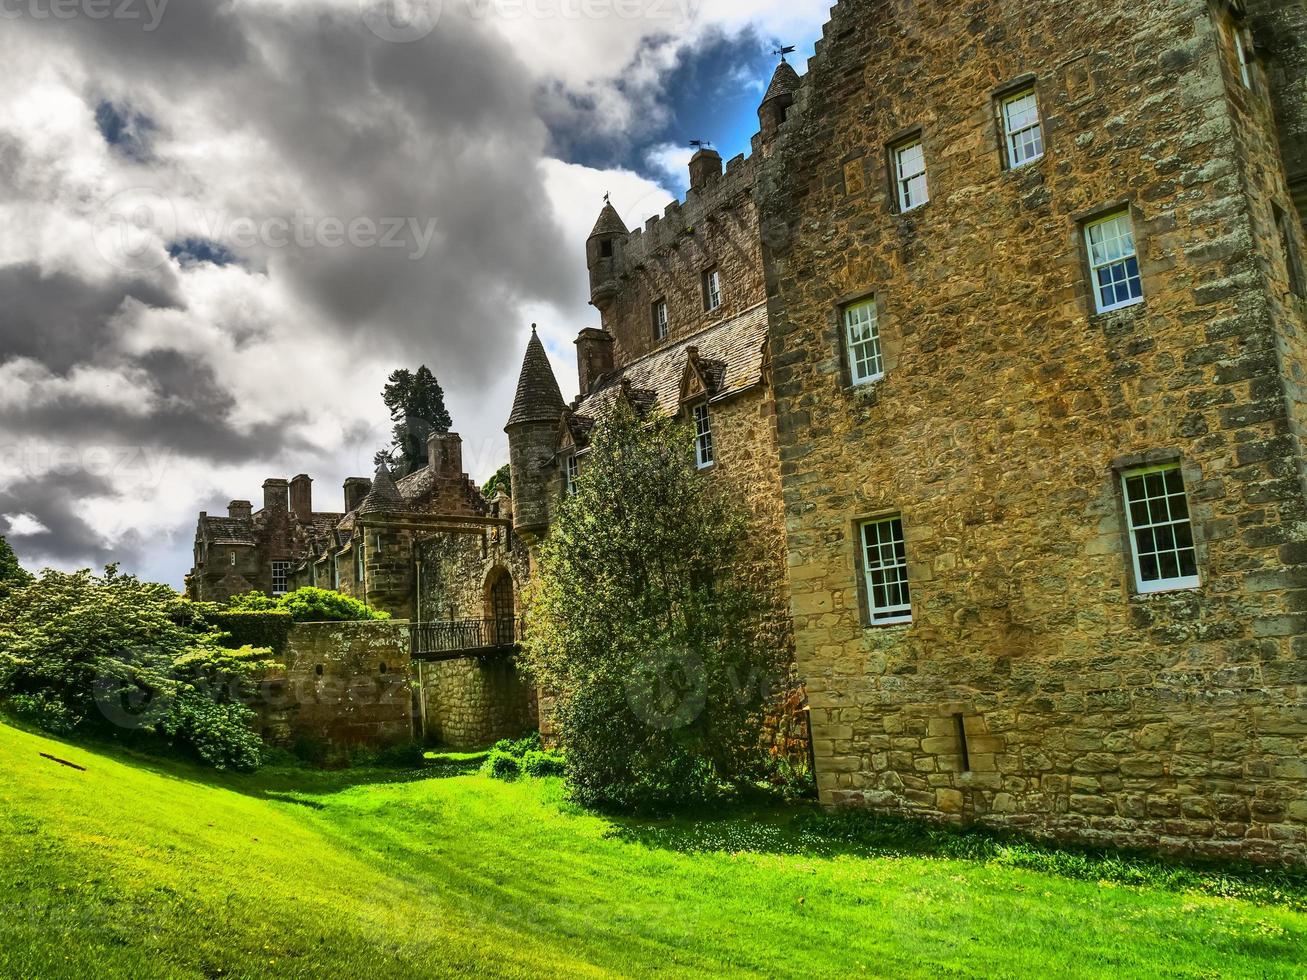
(1000, 334)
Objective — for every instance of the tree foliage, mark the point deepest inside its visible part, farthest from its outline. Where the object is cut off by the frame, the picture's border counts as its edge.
(417, 409)
(502, 480)
(655, 647)
(110, 653)
(11, 573)
(308, 605)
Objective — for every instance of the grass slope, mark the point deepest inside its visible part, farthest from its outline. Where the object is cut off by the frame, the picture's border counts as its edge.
(156, 869)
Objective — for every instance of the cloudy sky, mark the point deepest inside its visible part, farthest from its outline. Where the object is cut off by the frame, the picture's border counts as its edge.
(224, 222)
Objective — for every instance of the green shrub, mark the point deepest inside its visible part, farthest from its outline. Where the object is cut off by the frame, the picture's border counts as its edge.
(115, 655)
(268, 628)
(501, 765)
(308, 605)
(542, 764)
(520, 747)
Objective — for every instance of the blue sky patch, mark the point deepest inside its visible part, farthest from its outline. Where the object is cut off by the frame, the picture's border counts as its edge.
(130, 133)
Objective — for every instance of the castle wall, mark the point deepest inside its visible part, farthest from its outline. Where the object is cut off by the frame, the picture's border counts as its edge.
(1280, 30)
(1010, 408)
(717, 226)
(340, 685)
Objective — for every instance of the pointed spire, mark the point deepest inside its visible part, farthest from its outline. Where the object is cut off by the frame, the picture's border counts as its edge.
(538, 397)
(384, 497)
(610, 222)
(783, 82)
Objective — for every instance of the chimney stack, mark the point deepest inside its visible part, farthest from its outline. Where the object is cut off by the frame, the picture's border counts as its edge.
(356, 488)
(594, 357)
(275, 495)
(301, 497)
(240, 510)
(705, 167)
(445, 454)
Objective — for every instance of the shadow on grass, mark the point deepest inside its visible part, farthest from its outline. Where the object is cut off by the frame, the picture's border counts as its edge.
(806, 831)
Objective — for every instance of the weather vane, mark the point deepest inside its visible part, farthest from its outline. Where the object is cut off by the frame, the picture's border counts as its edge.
(608, 198)
(783, 50)
(700, 144)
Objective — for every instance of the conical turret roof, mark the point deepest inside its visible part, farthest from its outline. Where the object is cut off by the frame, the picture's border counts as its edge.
(384, 497)
(538, 398)
(610, 222)
(784, 82)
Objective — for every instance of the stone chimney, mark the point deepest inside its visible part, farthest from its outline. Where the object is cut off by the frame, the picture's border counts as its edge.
(276, 496)
(705, 167)
(356, 488)
(240, 510)
(594, 357)
(445, 454)
(301, 497)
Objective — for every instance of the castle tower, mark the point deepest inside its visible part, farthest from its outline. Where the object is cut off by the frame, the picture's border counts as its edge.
(776, 103)
(603, 256)
(533, 435)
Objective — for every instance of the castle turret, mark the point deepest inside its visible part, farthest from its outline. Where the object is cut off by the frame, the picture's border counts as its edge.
(776, 103)
(532, 437)
(603, 256)
(705, 167)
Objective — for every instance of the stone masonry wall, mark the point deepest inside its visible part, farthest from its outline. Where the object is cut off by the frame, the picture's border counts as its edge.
(1010, 407)
(471, 704)
(341, 684)
(1280, 31)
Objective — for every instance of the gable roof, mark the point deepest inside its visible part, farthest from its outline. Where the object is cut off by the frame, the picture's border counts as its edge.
(731, 354)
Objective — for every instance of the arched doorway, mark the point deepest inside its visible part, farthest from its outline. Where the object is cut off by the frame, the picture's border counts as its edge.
(501, 609)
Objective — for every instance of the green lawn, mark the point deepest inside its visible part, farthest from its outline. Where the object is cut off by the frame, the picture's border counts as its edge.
(146, 869)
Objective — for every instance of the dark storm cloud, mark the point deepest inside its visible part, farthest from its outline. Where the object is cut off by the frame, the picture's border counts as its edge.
(68, 536)
(61, 320)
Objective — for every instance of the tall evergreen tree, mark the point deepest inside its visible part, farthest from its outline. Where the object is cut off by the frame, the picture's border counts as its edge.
(11, 573)
(417, 409)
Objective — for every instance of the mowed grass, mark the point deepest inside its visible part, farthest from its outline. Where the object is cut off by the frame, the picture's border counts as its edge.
(148, 869)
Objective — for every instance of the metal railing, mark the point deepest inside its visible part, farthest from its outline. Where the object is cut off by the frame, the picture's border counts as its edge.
(464, 635)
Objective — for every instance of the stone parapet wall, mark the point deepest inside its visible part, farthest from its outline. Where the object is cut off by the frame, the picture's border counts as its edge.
(471, 704)
(340, 684)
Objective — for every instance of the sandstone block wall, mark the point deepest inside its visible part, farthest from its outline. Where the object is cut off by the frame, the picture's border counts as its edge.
(1009, 409)
(470, 704)
(342, 684)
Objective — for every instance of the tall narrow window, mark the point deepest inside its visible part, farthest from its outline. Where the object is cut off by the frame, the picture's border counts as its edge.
(1025, 136)
(660, 320)
(1288, 246)
(335, 574)
(571, 475)
(862, 340)
(358, 565)
(712, 290)
(885, 562)
(703, 447)
(1113, 262)
(280, 575)
(1161, 532)
(910, 175)
(1243, 54)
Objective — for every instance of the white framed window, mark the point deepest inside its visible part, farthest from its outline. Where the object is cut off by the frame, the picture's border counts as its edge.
(862, 341)
(1025, 136)
(1161, 531)
(703, 447)
(712, 290)
(335, 574)
(571, 473)
(358, 564)
(910, 175)
(660, 320)
(280, 576)
(885, 565)
(1243, 54)
(1113, 262)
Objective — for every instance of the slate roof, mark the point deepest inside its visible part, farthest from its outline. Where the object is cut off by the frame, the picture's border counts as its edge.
(732, 351)
(783, 82)
(229, 530)
(609, 223)
(384, 497)
(538, 396)
(417, 486)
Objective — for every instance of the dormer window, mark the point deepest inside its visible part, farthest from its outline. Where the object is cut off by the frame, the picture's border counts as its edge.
(660, 320)
(712, 290)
